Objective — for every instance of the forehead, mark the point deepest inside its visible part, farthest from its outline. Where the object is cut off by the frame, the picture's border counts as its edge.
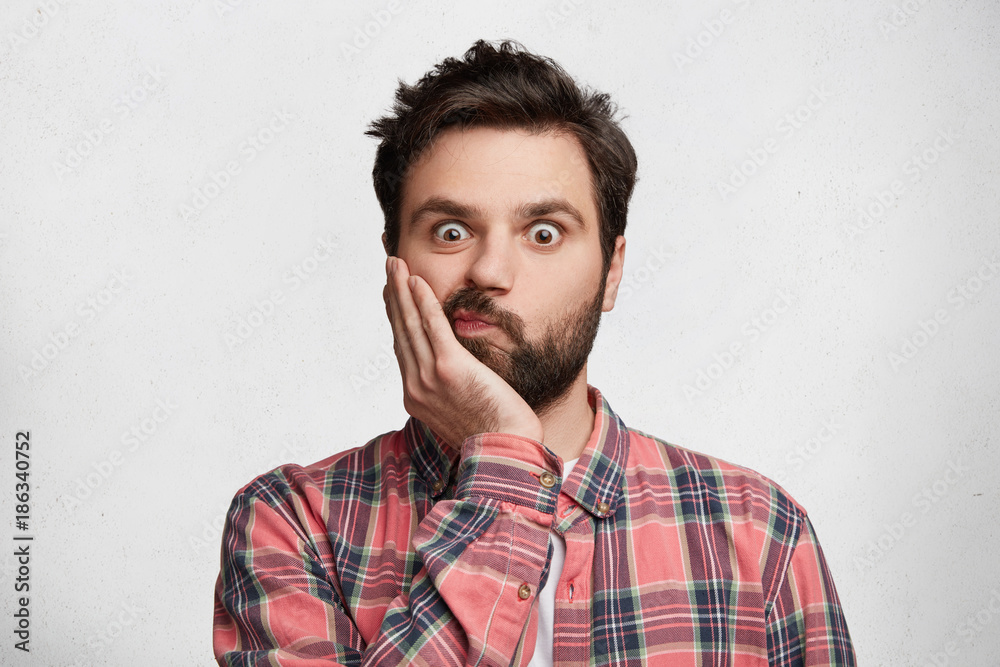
(494, 169)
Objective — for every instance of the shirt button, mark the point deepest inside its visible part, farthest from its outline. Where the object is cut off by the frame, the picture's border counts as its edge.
(603, 507)
(548, 480)
(437, 486)
(524, 592)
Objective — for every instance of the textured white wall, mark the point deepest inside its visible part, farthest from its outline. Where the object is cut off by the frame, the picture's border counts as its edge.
(117, 116)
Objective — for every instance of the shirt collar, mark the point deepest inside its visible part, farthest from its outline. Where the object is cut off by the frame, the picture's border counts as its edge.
(594, 483)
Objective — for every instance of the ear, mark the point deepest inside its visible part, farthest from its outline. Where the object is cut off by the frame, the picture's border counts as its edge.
(385, 243)
(615, 271)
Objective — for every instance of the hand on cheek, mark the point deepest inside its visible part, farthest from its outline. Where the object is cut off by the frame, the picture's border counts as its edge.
(444, 385)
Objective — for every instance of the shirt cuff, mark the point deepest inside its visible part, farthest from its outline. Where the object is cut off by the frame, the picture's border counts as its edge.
(510, 468)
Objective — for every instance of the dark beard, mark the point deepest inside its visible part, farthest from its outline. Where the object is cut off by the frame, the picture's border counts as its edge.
(541, 373)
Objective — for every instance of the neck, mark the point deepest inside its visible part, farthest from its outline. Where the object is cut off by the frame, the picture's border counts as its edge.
(569, 422)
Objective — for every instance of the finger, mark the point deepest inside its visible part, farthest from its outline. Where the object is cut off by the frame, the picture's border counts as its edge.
(411, 318)
(388, 313)
(401, 343)
(436, 326)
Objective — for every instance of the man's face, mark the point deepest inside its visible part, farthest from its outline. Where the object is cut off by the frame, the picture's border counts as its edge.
(503, 226)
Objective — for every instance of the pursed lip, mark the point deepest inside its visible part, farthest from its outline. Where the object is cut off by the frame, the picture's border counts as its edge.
(472, 317)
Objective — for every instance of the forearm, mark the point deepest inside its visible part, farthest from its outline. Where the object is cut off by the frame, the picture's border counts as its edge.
(480, 559)
(484, 556)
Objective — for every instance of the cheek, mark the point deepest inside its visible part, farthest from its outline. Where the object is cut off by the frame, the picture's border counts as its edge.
(566, 305)
(442, 281)
(545, 304)
(562, 287)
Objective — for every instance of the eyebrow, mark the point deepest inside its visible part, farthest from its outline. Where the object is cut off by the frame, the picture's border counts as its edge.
(548, 207)
(453, 209)
(447, 207)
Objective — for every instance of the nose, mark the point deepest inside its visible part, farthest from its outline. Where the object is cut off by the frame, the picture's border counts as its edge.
(493, 264)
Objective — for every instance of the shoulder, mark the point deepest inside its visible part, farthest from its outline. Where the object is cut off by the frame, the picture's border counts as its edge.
(342, 474)
(713, 489)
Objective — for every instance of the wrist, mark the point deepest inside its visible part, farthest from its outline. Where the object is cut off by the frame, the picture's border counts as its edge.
(509, 467)
(531, 430)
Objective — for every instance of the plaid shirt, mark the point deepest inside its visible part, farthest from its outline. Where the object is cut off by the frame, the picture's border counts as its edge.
(406, 552)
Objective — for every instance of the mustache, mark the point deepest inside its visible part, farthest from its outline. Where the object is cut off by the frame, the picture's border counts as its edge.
(474, 301)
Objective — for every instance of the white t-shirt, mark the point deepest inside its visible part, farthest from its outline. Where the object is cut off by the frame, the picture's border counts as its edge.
(547, 596)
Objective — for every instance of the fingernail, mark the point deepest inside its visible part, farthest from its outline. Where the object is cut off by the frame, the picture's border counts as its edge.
(392, 266)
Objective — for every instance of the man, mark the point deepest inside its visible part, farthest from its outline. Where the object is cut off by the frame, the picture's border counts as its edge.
(514, 518)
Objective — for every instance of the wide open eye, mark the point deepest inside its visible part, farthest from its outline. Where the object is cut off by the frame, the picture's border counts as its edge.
(451, 232)
(544, 233)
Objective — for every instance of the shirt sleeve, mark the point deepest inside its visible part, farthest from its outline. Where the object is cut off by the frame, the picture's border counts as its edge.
(482, 557)
(806, 623)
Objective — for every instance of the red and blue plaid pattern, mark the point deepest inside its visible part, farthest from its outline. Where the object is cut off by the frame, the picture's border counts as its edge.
(405, 552)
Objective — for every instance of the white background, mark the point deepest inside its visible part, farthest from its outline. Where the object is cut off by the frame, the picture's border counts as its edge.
(894, 460)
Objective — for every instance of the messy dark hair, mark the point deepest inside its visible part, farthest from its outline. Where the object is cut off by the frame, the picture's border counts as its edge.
(504, 87)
